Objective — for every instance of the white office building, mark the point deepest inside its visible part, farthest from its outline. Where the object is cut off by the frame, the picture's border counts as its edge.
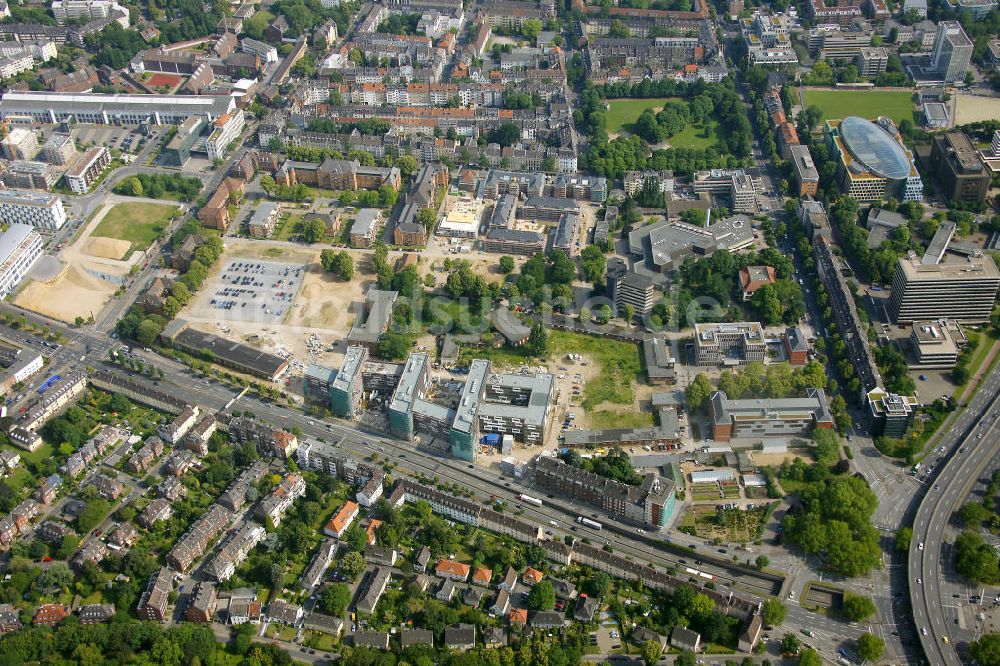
(227, 128)
(952, 52)
(266, 52)
(20, 247)
(27, 108)
(37, 209)
(88, 10)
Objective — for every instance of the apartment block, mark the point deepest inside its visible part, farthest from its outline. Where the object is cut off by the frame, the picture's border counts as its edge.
(36, 209)
(87, 169)
(225, 130)
(153, 603)
(20, 247)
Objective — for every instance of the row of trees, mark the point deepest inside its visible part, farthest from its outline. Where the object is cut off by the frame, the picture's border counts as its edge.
(156, 185)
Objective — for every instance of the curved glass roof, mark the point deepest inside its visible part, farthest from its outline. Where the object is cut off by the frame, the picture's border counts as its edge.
(874, 148)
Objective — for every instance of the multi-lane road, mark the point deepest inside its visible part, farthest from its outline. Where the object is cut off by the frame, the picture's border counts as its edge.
(969, 447)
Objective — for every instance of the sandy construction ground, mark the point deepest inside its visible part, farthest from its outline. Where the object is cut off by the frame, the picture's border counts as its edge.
(107, 248)
(93, 271)
(972, 108)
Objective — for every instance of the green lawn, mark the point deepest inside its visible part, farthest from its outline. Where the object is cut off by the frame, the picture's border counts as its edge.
(605, 419)
(865, 103)
(138, 223)
(624, 112)
(696, 136)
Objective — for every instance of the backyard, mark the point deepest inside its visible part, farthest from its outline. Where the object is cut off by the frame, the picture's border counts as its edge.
(836, 104)
(137, 223)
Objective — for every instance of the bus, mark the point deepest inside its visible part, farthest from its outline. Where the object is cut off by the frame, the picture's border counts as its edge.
(530, 500)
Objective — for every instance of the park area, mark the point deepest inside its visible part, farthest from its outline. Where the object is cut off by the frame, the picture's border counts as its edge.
(134, 224)
(869, 104)
(622, 114)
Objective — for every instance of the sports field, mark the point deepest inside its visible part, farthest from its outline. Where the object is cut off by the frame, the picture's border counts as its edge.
(897, 105)
(138, 223)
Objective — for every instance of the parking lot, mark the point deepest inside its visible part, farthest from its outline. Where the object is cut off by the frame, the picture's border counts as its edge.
(257, 291)
(124, 138)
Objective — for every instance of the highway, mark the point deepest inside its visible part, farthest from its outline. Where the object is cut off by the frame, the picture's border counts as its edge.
(970, 445)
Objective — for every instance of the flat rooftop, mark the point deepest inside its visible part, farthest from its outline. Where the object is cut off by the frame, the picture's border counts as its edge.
(235, 353)
(971, 268)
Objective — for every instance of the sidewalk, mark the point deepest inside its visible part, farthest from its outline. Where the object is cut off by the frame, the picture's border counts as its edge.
(967, 392)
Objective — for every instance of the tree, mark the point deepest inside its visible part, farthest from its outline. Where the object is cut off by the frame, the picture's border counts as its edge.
(604, 314)
(505, 134)
(506, 265)
(857, 607)
(651, 652)
(407, 165)
(975, 559)
(973, 514)
(393, 346)
(538, 340)
(774, 612)
(542, 596)
(699, 391)
(343, 265)
(790, 644)
(871, 647)
(761, 562)
(685, 658)
(313, 230)
(629, 314)
(903, 539)
(599, 584)
(986, 651)
(352, 565)
(530, 28)
(335, 599)
(810, 657)
(427, 217)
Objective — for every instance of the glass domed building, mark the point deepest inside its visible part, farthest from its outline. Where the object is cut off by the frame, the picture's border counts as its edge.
(874, 163)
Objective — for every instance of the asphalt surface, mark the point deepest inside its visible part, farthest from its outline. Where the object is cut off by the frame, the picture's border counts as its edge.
(971, 444)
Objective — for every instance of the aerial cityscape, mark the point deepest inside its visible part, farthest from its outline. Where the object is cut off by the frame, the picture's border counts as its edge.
(500, 332)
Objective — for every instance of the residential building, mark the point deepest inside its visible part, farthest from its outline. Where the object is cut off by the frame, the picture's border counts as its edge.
(365, 227)
(9, 619)
(264, 220)
(752, 278)
(960, 168)
(203, 603)
(338, 525)
(773, 417)
(796, 346)
(371, 322)
(460, 637)
(806, 174)
(20, 143)
(154, 600)
(87, 169)
(683, 638)
(95, 613)
(49, 615)
(374, 587)
(156, 511)
(650, 503)
(284, 612)
(173, 432)
(262, 50)
(453, 570)
(30, 175)
(963, 290)
(69, 10)
(871, 61)
(58, 148)
(289, 489)
(36, 209)
(203, 531)
(313, 575)
(978, 9)
(750, 635)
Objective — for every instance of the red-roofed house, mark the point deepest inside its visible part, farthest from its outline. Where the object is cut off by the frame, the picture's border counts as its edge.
(452, 570)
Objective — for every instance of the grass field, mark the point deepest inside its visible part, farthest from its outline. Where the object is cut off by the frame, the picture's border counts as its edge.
(618, 361)
(865, 103)
(623, 112)
(137, 223)
(696, 136)
(606, 418)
